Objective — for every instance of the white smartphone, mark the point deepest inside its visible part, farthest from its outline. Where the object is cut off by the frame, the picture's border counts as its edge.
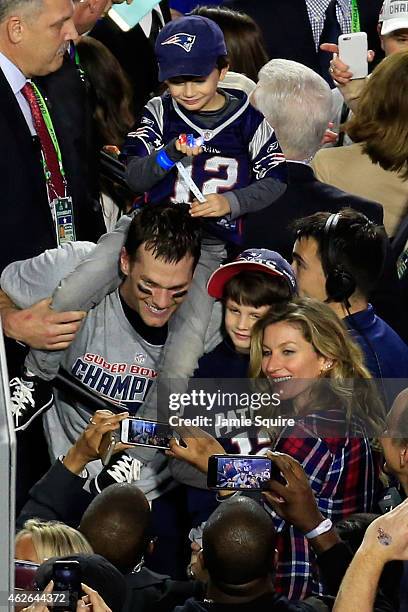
(126, 16)
(145, 433)
(353, 50)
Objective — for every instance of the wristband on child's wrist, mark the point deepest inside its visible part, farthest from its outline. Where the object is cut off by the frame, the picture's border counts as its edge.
(164, 160)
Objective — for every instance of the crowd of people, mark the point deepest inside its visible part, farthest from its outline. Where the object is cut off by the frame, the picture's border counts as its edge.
(207, 205)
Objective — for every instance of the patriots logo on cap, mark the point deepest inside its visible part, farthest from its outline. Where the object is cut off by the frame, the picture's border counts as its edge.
(183, 40)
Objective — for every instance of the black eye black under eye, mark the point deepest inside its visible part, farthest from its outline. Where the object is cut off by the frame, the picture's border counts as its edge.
(180, 294)
(144, 289)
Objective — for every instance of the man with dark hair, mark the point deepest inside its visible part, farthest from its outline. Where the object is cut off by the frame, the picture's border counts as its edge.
(222, 545)
(115, 524)
(117, 351)
(338, 258)
(240, 557)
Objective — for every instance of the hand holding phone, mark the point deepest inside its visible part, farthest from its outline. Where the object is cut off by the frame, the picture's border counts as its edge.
(353, 49)
(240, 472)
(140, 432)
(66, 576)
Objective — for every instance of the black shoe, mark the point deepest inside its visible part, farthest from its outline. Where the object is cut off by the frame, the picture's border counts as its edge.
(30, 396)
(121, 468)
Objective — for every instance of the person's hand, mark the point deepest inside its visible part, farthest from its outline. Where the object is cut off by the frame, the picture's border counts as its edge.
(338, 69)
(40, 606)
(329, 137)
(189, 151)
(112, 150)
(94, 440)
(92, 600)
(40, 327)
(200, 445)
(294, 502)
(216, 205)
(195, 569)
(386, 538)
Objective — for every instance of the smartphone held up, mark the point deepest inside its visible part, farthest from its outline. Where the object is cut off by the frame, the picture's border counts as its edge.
(353, 49)
(239, 472)
(141, 432)
(66, 576)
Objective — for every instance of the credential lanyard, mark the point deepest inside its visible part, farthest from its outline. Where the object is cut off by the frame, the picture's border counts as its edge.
(50, 127)
(355, 17)
(77, 61)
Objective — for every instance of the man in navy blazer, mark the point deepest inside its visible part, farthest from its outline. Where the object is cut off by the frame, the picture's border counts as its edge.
(34, 38)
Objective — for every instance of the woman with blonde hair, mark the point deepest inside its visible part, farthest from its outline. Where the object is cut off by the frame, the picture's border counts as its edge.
(40, 540)
(303, 352)
(334, 356)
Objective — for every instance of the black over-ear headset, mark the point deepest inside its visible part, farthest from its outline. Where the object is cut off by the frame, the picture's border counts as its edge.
(340, 283)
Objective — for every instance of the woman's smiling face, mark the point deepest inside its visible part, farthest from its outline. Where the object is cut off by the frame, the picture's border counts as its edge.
(287, 356)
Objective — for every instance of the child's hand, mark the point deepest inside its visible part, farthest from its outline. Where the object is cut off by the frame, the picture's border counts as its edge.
(215, 206)
(189, 145)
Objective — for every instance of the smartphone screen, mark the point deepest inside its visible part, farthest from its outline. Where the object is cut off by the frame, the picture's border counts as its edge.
(67, 579)
(240, 472)
(145, 433)
(24, 575)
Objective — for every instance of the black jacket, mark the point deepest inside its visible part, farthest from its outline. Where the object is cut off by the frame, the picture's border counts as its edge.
(267, 603)
(26, 227)
(305, 195)
(135, 53)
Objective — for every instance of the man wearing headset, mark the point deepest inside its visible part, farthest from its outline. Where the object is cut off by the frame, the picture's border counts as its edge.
(338, 258)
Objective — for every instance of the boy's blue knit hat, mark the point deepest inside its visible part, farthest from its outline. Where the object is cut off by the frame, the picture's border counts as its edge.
(189, 46)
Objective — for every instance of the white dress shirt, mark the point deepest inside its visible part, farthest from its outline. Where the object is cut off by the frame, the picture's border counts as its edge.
(17, 80)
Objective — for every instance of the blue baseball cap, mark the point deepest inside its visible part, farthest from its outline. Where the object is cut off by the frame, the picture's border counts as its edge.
(252, 260)
(189, 46)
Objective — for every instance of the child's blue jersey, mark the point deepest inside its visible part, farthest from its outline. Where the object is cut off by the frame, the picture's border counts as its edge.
(239, 148)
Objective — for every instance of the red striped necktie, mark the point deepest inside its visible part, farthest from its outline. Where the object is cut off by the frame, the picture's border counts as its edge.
(56, 179)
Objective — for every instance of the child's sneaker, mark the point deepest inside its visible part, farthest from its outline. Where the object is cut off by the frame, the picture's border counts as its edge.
(121, 468)
(30, 396)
